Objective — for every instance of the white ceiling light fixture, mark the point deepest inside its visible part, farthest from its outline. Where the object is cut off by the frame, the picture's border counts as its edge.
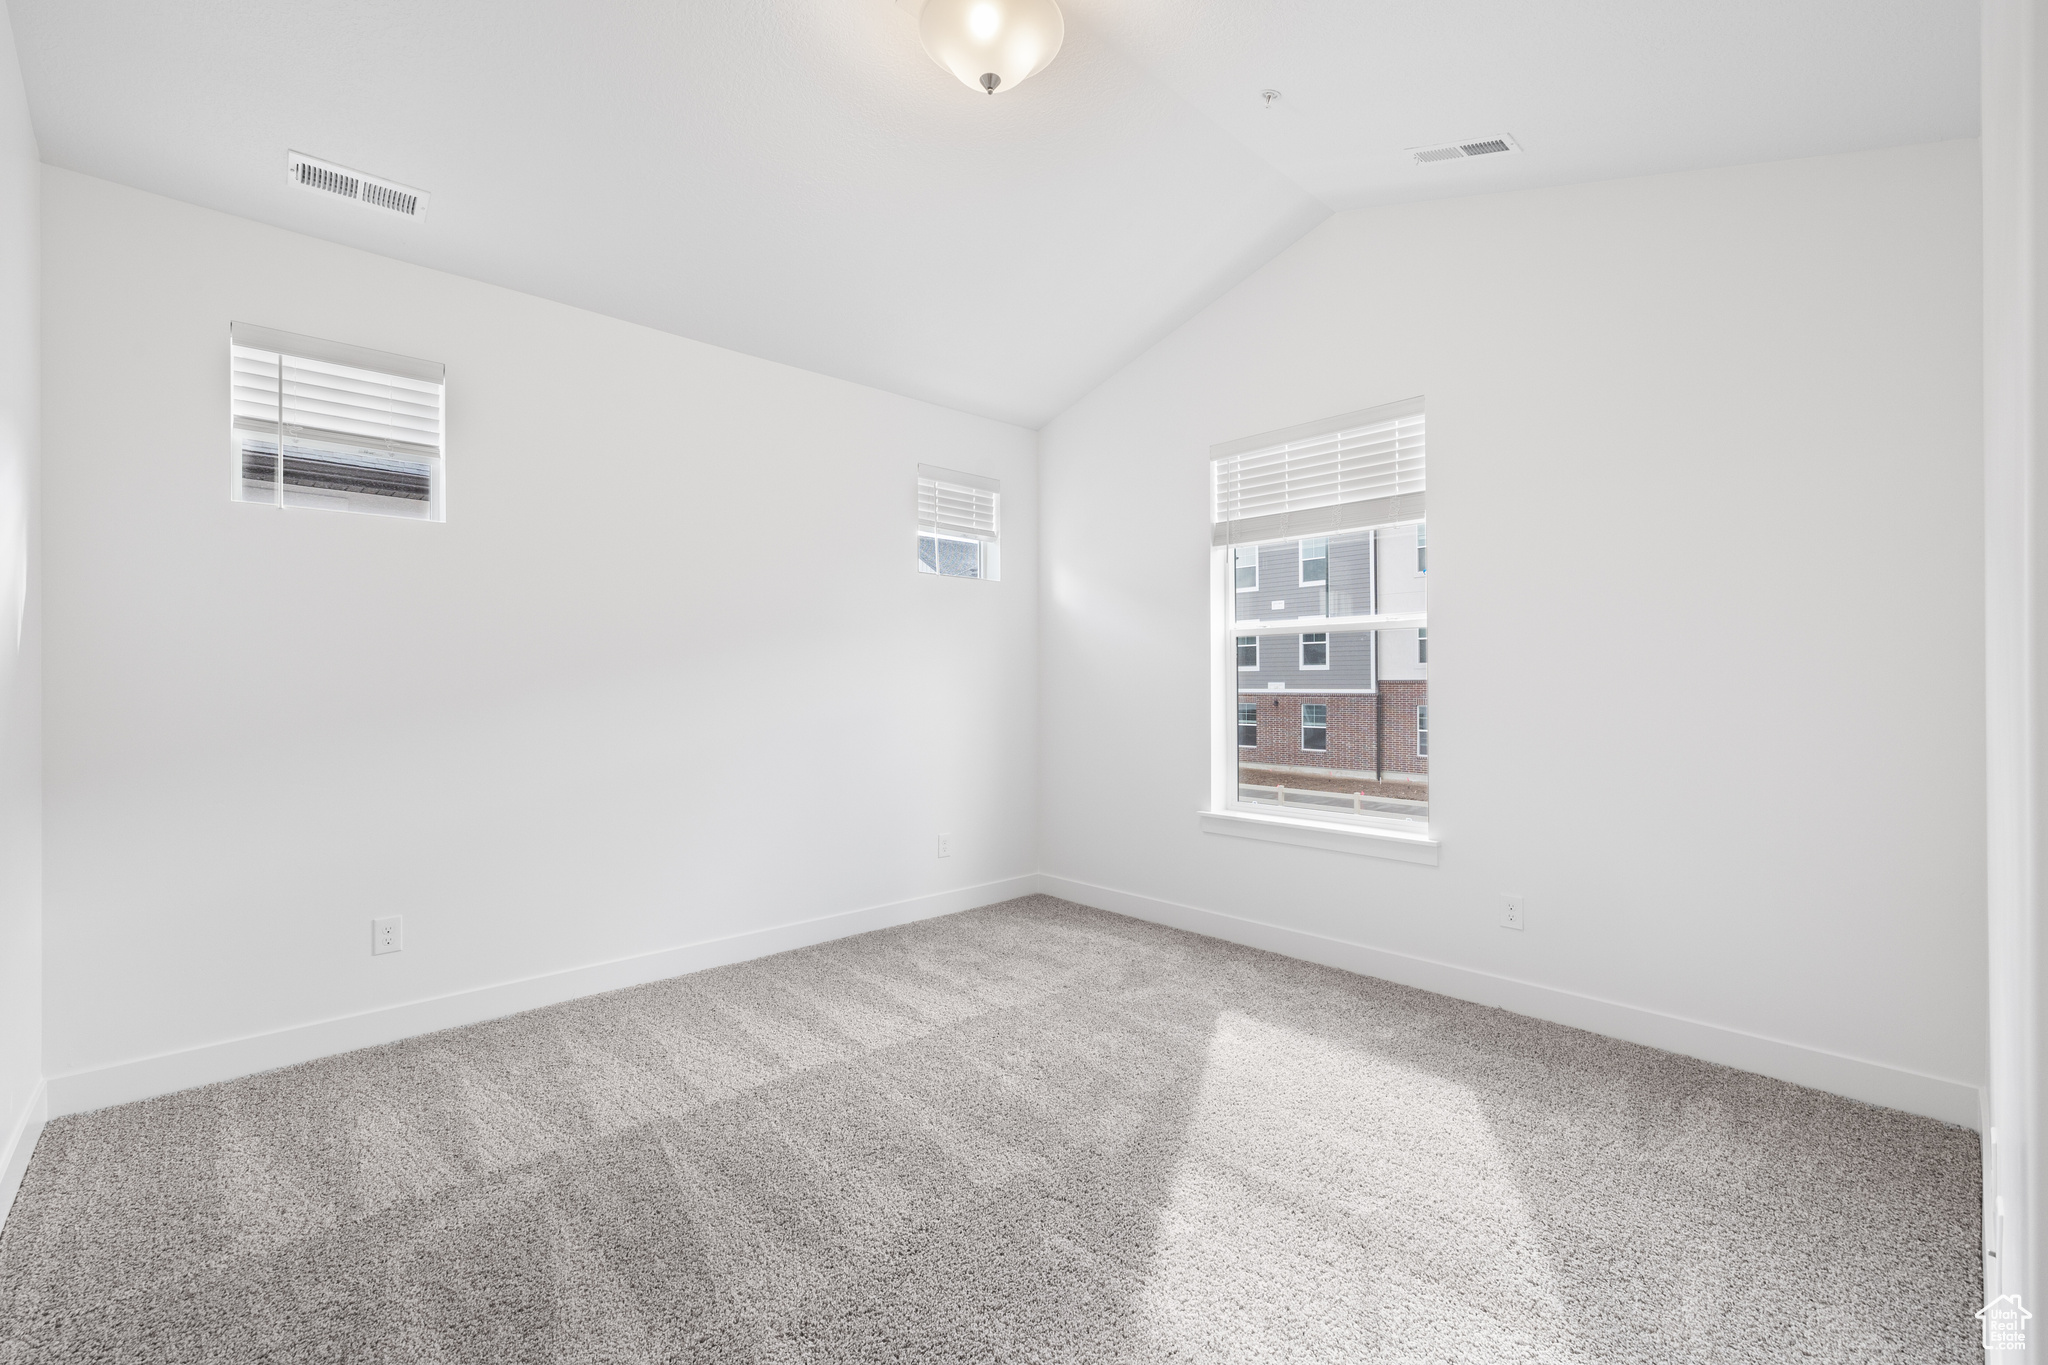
(992, 45)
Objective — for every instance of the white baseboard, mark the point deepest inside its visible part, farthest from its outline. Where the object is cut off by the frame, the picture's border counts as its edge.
(121, 1082)
(17, 1146)
(1872, 1082)
(1934, 1097)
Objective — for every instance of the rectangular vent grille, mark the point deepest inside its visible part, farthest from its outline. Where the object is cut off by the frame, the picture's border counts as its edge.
(327, 178)
(315, 177)
(390, 197)
(1463, 151)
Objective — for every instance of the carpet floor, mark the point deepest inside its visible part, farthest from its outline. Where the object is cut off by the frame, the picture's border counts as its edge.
(1031, 1132)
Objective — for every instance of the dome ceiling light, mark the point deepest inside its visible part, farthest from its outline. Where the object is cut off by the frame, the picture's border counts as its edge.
(992, 45)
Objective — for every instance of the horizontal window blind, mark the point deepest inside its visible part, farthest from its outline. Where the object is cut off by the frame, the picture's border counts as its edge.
(950, 503)
(356, 427)
(1364, 469)
(337, 403)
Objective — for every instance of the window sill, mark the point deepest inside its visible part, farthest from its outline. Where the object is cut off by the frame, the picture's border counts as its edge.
(1371, 843)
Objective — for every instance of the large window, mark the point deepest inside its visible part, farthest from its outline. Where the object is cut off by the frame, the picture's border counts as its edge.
(1335, 651)
(957, 523)
(325, 424)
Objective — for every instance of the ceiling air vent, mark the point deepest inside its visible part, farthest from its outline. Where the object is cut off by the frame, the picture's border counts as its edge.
(324, 177)
(1463, 151)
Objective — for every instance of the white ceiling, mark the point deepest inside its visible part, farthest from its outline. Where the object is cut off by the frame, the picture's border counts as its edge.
(795, 179)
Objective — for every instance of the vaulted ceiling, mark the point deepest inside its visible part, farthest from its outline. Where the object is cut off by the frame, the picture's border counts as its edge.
(797, 180)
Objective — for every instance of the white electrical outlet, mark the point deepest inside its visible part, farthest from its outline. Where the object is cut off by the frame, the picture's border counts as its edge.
(945, 845)
(387, 935)
(1511, 918)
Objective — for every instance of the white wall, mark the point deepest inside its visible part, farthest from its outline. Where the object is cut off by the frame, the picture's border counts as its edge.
(1697, 690)
(2015, 160)
(21, 952)
(620, 701)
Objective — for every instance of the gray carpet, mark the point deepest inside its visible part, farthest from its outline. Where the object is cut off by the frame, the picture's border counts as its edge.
(1032, 1132)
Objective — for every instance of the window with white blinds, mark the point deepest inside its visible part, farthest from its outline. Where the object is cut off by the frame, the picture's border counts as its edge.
(958, 523)
(1317, 559)
(1363, 469)
(325, 424)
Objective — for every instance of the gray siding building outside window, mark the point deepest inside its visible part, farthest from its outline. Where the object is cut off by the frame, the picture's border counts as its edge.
(1349, 592)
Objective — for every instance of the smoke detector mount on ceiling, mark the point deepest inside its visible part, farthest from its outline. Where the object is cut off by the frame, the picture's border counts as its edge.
(374, 191)
(1500, 144)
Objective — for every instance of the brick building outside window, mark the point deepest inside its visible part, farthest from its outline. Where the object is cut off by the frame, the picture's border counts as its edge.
(1330, 710)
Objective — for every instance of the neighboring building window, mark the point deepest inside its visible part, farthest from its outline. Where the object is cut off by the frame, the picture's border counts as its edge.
(958, 520)
(1422, 645)
(1343, 498)
(325, 424)
(1421, 547)
(1422, 732)
(1315, 562)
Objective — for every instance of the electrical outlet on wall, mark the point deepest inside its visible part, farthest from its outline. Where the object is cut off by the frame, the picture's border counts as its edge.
(1511, 917)
(387, 935)
(945, 845)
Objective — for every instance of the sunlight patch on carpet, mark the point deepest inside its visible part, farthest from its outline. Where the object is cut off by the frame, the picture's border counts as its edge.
(1325, 1194)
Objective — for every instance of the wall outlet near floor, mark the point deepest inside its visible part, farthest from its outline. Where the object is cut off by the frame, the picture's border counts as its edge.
(387, 935)
(1511, 916)
(945, 845)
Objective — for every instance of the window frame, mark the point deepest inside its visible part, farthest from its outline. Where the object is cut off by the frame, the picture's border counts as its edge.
(1422, 646)
(1323, 707)
(1242, 707)
(939, 519)
(982, 550)
(1237, 568)
(333, 435)
(1422, 730)
(1422, 547)
(1242, 666)
(1302, 644)
(1367, 833)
